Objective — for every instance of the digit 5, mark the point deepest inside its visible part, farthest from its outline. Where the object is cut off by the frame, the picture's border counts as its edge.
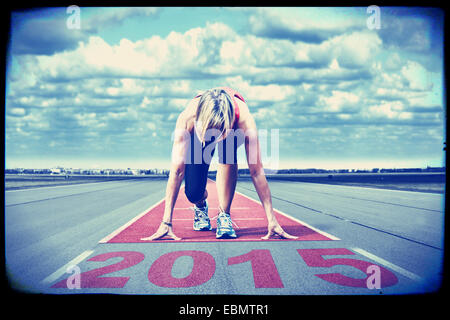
(314, 258)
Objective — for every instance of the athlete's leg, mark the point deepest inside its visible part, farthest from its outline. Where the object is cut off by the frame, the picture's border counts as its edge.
(195, 178)
(196, 173)
(202, 202)
(226, 179)
(227, 169)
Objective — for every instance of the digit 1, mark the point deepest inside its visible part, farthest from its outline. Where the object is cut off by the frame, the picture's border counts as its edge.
(265, 273)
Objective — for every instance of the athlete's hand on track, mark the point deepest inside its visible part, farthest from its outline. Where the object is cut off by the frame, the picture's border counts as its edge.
(275, 229)
(163, 230)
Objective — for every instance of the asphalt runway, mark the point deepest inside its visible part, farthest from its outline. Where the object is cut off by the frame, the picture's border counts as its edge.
(57, 241)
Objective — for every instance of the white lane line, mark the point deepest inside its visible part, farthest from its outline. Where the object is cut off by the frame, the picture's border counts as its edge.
(55, 275)
(387, 264)
(120, 229)
(295, 219)
(388, 190)
(114, 233)
(61, 186)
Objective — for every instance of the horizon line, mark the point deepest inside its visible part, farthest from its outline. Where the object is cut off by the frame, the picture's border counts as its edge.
(268, 169)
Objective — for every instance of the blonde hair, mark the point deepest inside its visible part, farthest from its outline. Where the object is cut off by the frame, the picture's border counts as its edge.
(215, 111)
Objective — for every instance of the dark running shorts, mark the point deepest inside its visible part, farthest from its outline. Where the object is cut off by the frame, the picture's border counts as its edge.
(199, 157)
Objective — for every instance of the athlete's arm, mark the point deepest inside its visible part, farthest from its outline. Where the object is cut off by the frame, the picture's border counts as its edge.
(176, 175)
(252, 149)
(179, 149)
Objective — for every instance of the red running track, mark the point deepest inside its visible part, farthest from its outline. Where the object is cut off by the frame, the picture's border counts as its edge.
(248, 216)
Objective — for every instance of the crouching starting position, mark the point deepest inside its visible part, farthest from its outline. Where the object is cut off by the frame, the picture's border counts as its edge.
(220, 117)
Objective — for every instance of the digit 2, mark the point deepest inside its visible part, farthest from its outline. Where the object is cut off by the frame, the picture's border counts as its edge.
(92, 279)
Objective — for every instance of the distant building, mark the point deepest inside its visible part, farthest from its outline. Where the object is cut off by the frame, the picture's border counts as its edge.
(55, 171)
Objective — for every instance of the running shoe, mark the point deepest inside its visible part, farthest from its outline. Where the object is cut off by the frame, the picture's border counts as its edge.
(224, 226)
(201, 219)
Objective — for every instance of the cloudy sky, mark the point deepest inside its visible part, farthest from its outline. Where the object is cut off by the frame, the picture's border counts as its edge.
(342, 95)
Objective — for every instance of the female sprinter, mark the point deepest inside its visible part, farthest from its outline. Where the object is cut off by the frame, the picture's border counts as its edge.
(214, 118)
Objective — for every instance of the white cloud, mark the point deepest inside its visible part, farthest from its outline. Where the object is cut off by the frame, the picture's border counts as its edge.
(299, 24)
(114, 16)
(270, 92)
(17, 111)
(356, 49)
(393, 62)
(130, 92)
(145, 102)
(88, 120)
(344, 116)
(390, 110)
(176, 55)
(417, 76)
(236, 52)
(334, 65)
(339, 101)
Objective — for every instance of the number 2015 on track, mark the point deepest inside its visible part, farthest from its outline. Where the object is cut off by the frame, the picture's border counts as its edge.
(265, 272)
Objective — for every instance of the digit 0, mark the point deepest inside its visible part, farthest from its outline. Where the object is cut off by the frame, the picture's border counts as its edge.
(160, 272)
